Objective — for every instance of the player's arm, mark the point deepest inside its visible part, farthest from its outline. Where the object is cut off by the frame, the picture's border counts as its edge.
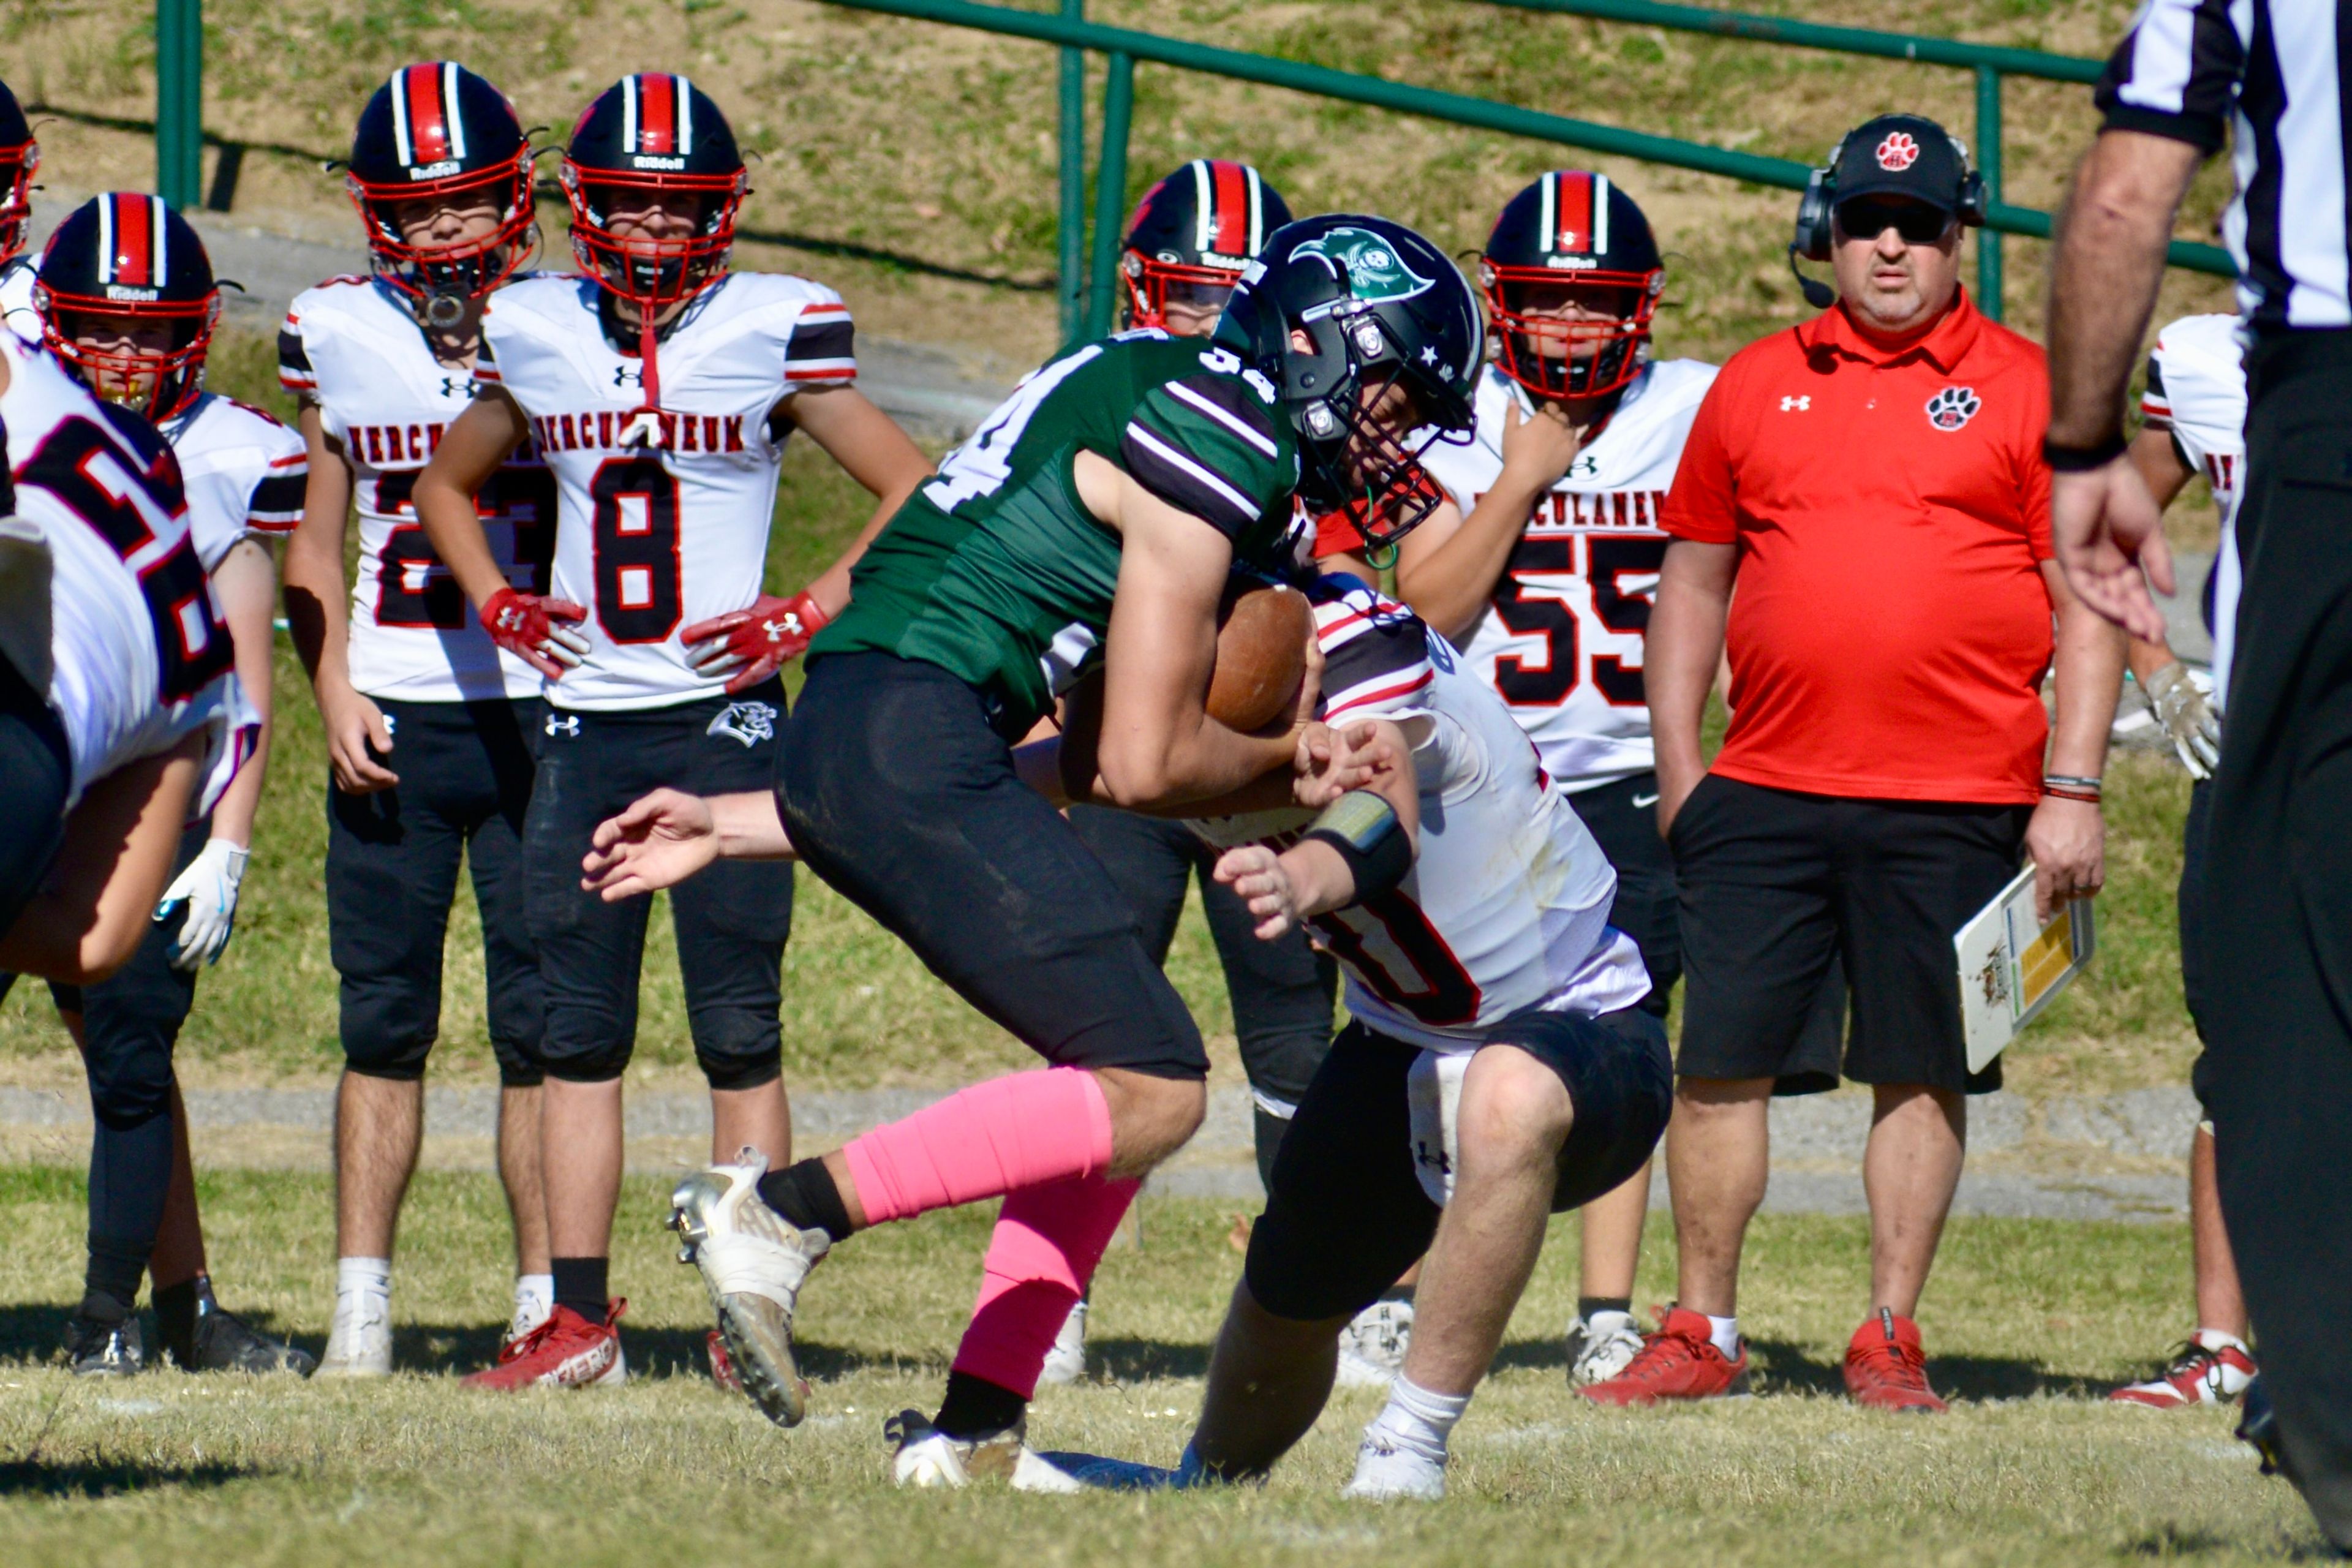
(1680, 653)
(120, 843)
(1158, 744)
(750, 644)
(1447, 568)
(2067, 839)
(533, 629)
(317, 615)
(1362, 844)
(668, 835)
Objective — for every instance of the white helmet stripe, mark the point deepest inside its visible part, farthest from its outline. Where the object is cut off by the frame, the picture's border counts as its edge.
(453, 120)
(1258, 209)
(399, 91)
(1600, 215)
(1205, 203)
(683, 91)
(105, 241)
(1550, 184)
(629, 115)
(158, 239)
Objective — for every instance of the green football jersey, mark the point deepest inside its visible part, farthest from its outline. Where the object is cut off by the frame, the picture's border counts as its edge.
(996, 571)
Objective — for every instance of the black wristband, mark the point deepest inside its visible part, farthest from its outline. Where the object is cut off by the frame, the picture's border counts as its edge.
(2082, 459)
(1364, 830)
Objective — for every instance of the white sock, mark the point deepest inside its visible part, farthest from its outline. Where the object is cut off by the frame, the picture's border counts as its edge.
(368, 1275)
(2219, 1339)
(1419, 1421)
(538, 1289)
(1725, 1332)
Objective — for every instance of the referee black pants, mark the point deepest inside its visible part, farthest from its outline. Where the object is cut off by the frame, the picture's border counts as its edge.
(2278, 908)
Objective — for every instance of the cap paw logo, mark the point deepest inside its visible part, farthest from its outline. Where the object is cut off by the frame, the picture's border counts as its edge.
(1375, 273)
(1898, 152)
(1953, 408)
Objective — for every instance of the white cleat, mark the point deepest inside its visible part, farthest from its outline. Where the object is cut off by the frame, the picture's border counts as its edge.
(1386, 1473)
(1067, 1362)
(926, 1457)
(1373, 1345)
(359, 1345)
(1601, 1349)
(754, 1261)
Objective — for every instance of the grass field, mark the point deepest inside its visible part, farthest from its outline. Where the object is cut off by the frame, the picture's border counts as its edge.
(2028, 1323)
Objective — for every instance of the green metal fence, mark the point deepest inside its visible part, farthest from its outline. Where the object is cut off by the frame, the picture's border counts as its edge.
(1123, 47)
(180, 102)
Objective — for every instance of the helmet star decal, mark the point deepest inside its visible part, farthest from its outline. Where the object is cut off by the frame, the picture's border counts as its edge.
(1375, 273)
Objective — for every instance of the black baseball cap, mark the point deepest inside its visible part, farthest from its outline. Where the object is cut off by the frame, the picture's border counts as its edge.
(1900, 155)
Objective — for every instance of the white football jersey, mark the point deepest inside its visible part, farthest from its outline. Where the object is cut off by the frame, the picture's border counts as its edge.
(663, 512)
(16, 308)
(242, 472)
(353, 347)
(139, 659)
(1506, 908)
(1561, 641)
(2197, 390)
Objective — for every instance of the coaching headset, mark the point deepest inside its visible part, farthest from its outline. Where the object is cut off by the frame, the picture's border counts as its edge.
(1895, 155)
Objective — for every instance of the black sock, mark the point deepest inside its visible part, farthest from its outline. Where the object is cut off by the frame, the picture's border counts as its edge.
(580, 1284)
(175, 1320)
(805, 1194)
(1588, 1305)
(116, 1267)
(975, 1407)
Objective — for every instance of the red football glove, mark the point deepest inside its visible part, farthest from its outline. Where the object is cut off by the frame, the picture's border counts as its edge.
(750, 646)
(536, 630)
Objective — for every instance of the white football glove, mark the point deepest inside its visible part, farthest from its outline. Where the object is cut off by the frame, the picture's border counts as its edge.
(209, 887)
(2184, 707)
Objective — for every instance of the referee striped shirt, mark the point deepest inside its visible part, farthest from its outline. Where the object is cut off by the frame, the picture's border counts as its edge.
(2272, 72)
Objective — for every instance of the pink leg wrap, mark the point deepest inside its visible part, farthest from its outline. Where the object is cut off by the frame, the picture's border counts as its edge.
(1022, 1130)
(1048, 1243)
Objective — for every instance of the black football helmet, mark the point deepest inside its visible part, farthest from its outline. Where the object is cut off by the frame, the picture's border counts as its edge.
(648, 135)
(1576, 230)
(1192, 234)
(125, 262)
(20, 156)
(1379, 307)
(435, 130)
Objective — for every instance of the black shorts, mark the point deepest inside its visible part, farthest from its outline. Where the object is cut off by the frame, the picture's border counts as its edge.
(732, 921)
(392, 872)
(898, 793)
(1622, 818)
(1776, 886)
(35, 776)
(1347, 1213)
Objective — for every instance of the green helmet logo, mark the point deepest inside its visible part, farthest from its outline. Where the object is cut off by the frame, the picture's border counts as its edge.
(1375, 272)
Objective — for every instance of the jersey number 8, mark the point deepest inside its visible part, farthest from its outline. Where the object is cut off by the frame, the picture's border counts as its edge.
(635, 525)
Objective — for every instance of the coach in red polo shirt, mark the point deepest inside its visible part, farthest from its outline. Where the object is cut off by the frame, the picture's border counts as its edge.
(1872, 485)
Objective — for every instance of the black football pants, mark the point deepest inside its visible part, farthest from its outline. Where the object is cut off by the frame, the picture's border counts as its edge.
(2278, 909)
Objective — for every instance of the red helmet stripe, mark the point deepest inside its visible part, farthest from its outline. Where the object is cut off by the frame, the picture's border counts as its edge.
(657, 114)
(134, 261)
(1230, 230)
(428, 132)
(1575, 208)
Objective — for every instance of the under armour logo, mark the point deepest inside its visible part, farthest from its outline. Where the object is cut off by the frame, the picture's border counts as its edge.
(1797, 405)
(457, 386)
(628, 375)
(568, 725)
(749, 722)
(789, 627)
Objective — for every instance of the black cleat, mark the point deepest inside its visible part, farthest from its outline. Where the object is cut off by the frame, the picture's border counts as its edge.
(227, 1342)
(96, 1349)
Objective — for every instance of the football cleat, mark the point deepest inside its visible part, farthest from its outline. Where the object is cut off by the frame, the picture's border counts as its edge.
(1600, 1349)
(722, 1369)
(1679, 1361)
(530, 1309)
(2212, 1368)
(1386, 1472)
(565, 1351)
(94, 1348)
(359, 1342)
(227, 1342)
(1886, 1367)
(923, 1455)
(754, 1261)
(1373, 1345)
(1067, 1362)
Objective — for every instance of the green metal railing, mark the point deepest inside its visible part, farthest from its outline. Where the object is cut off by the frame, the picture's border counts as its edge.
(180, 102)
(1125, 47)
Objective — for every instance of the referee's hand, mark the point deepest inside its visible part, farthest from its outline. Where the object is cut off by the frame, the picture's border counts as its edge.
(2109, 536)
(2067, 842)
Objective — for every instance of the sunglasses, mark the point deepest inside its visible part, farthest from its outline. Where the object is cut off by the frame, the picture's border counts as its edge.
(1866, 217)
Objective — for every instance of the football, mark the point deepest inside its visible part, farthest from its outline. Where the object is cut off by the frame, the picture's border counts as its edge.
(1262, 632)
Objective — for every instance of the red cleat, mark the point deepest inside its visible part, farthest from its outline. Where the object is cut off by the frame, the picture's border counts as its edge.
(1886, 1369)
(722, 1366)
(1678, 1362)
(565, 1351)
(2201, 1373)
